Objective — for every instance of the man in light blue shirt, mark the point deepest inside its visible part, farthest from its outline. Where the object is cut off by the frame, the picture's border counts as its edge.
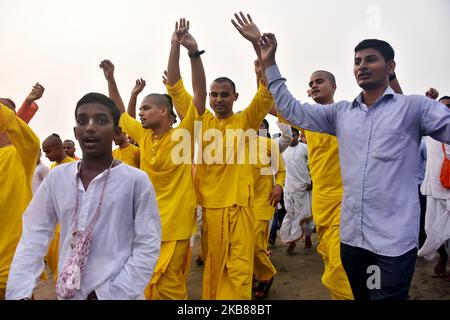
(379, 134)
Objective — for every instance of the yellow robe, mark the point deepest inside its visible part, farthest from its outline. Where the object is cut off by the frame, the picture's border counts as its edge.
(263, 210)
(53, 249)
(175, 195)
(323, 154)
(225, 191)
(17, 164)
(129, 155)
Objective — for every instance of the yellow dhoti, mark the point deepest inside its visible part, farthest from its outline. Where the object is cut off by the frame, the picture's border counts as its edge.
(334, 277)
(263, 267)
(53, 254)
(230, 237)
(171, 271)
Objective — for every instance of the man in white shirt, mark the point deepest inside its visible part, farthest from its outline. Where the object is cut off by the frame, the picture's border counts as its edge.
(107, 208)
(297, 195)
(40, 172)
(437, 216)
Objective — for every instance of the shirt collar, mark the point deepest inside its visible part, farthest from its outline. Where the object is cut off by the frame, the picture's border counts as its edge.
(387, 93)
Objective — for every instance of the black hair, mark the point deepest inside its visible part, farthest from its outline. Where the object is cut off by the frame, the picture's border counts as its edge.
(95, 97)
(444, 97)
(295, 130)
(381, 46)
(228, 80)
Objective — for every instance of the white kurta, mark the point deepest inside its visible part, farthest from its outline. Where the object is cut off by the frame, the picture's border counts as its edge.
(297, 199)
(126, 237)
(437, 216)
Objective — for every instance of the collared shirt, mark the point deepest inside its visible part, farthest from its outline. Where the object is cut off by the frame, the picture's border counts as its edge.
(126, 237)
(378, 151)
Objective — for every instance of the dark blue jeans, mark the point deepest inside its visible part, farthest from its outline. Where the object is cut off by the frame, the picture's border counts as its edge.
(394, 273)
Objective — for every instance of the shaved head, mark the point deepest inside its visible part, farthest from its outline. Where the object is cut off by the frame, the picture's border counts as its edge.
(326, 74)
(53, 148)
(52, 141)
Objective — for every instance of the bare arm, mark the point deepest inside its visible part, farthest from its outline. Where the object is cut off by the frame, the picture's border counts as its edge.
(108, 71)
(395, 85)
(29, 108)
(173, 67)
(249, 30)
(198, 72)
(138, 87)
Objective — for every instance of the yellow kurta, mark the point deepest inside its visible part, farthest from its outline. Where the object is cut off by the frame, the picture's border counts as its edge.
(224, 185)
(269, 162)
(129, 155)
(17, 164)
(53, 249)
(175, 195)
(263, 181)
(323, 154)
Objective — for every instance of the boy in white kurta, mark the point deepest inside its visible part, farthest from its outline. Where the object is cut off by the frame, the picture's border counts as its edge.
(99, 194)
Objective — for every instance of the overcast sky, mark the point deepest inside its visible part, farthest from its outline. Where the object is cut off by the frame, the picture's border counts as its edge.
(60, 44)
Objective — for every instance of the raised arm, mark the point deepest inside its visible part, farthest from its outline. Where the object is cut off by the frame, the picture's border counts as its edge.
(173, 67)
(29, 107)
(394, 84)
(198, 73)
(22, 137)
(310, 117)
(249, 30)
(138, 87)
(286, 135)
(108, 71)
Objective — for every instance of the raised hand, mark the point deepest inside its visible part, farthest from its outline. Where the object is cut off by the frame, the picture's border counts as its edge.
(138, 87)
(181, 28)
(246, 27)
(432, 93)
(268, 44)
(189, 42)
(36, 93)
(108, 69)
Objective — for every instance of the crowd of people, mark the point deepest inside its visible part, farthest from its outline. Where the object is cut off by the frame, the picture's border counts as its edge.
(119, 224)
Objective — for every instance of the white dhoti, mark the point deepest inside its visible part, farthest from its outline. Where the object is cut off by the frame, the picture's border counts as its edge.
(298, 219)
(437, 226)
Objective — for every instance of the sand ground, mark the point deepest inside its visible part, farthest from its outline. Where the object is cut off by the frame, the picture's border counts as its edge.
(299, 276)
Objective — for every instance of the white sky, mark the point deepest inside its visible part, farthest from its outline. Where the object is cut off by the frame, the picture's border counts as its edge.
(60, 43)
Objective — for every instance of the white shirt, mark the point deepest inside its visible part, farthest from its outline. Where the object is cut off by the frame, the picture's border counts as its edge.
(126, 237)
(297, 172)
(40, 173)
(431, 185)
